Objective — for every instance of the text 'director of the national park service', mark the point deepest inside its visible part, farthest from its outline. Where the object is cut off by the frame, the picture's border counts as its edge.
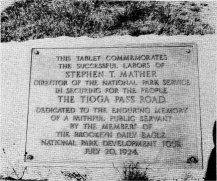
(105, 105)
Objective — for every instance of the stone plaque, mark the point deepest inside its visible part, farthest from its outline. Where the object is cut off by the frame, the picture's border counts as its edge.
(104, 105)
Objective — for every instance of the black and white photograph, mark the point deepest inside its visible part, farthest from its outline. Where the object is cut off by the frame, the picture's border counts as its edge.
(108, 90)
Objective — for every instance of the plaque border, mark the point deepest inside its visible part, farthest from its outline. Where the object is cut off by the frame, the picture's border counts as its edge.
(148, 45)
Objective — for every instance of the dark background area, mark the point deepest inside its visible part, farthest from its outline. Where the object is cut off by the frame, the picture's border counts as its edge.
(36, 19)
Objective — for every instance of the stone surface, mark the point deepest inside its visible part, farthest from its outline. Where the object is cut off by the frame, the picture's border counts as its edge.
(15, 88)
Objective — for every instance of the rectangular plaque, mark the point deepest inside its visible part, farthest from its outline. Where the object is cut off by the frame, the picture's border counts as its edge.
(105, 105)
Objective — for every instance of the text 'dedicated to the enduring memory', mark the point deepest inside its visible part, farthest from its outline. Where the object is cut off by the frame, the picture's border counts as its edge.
(115, 104)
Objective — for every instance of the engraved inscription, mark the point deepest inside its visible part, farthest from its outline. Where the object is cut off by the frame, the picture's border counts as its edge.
(114, 104)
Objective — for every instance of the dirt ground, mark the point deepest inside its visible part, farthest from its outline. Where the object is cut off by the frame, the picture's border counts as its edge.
(209, 13)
